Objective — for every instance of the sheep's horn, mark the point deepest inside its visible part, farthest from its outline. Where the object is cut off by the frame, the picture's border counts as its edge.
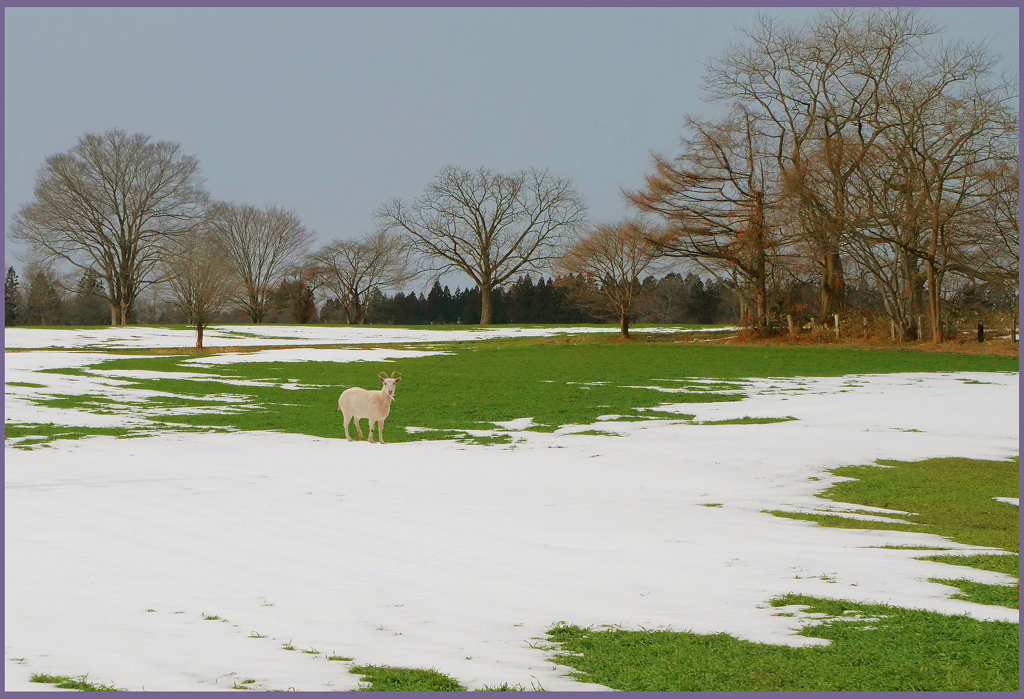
(382, 375)
(395, 372)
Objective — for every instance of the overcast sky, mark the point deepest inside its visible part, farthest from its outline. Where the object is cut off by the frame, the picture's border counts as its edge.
(330, 112)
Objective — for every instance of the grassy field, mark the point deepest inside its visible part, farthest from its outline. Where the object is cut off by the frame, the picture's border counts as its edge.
(573, 380)
(556, 381)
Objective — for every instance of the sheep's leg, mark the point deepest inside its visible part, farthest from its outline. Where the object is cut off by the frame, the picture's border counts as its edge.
(347, 418)
(380, 431)
(358, 430)
(369, 437)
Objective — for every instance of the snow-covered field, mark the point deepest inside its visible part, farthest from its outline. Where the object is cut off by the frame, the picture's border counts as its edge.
(446, 555)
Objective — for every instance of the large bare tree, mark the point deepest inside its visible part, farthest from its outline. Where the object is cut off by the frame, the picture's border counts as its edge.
(353, 269)
(262, 246)
(716, 200)
(820, 87)
(489, 225)
(610, 258)
(200, 281)
(923, 189)
(955, 123)
(109, 204)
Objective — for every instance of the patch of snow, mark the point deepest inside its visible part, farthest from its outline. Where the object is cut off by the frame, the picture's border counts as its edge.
(520, 423)
(307, 354)
(1013, 501)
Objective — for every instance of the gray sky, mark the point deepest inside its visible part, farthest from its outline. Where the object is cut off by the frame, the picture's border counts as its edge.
(330, 112)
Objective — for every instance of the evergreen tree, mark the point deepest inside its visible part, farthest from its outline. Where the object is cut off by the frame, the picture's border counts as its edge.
(439, 302)
(332, 312)
(293, 301)
(89, 306)
(12, 298)
(44, 304)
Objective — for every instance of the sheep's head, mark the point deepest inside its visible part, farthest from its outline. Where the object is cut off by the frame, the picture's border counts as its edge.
(389, 383)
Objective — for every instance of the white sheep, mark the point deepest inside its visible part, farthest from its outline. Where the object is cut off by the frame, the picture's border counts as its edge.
(358, 403)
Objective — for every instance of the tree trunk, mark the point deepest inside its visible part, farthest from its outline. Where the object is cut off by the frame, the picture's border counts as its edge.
(832, 284)
(199, 336)
(624, 325)
(485, 305)
(933, 299)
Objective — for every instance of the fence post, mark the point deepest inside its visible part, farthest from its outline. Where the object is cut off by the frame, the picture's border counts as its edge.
(892, 329)
(981, 331)
(792, 325)
(865, 326)
(836, 316)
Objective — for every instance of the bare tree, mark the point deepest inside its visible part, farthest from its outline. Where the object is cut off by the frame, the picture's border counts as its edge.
(353, 269)
(922, 189)
(489, 225)
(109, 204)
(716, 199)
(610, 258)
(262, 246)
(200, 281)
(820, 87)
(955, 123)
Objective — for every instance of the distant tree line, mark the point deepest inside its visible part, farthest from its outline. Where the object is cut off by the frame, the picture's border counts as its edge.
(863, 168)
(48, 300)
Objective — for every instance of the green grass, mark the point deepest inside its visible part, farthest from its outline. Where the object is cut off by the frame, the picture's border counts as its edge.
(887, 649)
(952, 498)
(79, 683)
(485, 440)
(1010, 565)
(382, 678)
(556, 381)
(24, 384)
(36, 434)
(982, 593)
(748, 421)
(30, 435)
